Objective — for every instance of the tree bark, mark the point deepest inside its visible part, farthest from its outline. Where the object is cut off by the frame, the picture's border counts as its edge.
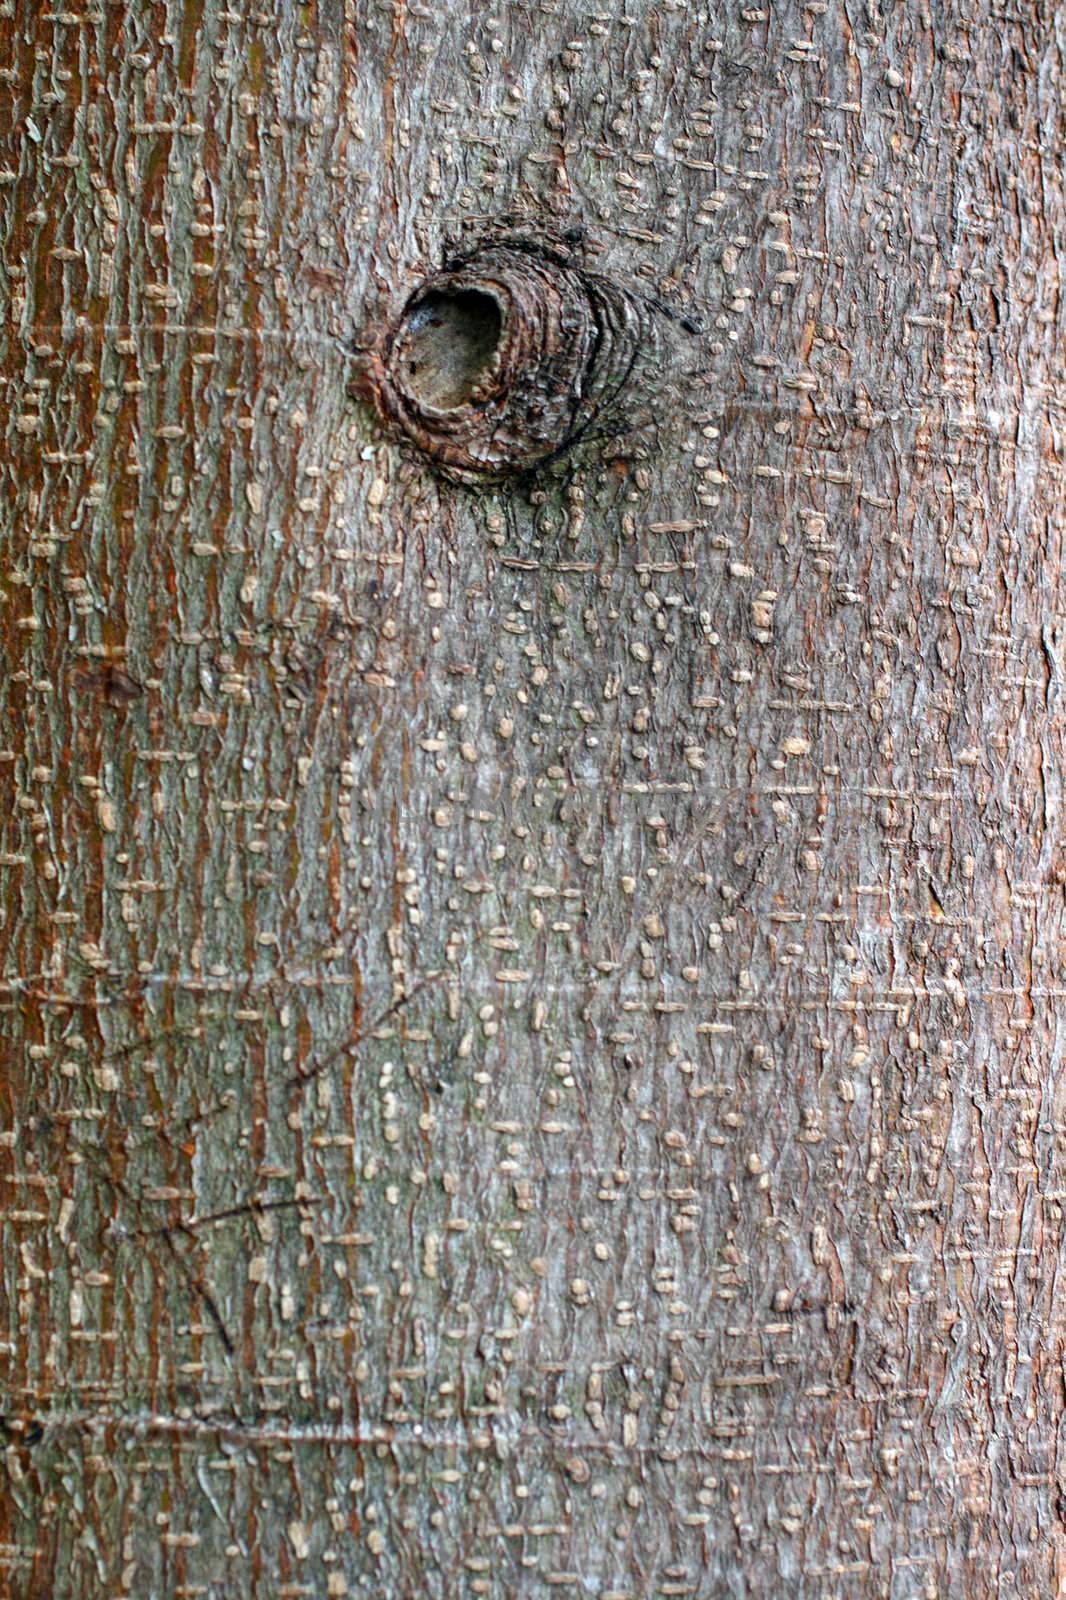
(531, 1055)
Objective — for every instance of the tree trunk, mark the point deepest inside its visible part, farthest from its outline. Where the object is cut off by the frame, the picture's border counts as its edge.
(530, 1011)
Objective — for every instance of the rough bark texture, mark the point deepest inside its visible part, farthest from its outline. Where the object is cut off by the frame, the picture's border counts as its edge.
(692, 1226)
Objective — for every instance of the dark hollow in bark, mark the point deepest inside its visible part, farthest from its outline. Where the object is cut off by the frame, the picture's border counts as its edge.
(448, 343)
(499, 364)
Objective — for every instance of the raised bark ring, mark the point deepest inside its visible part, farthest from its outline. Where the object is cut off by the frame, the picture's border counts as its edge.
(504, 360)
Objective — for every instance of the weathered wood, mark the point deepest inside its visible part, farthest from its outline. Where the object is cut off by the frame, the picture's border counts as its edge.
(531, 1023)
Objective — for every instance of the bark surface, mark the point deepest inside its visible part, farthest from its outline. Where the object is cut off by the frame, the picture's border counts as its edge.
(531, 1054)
